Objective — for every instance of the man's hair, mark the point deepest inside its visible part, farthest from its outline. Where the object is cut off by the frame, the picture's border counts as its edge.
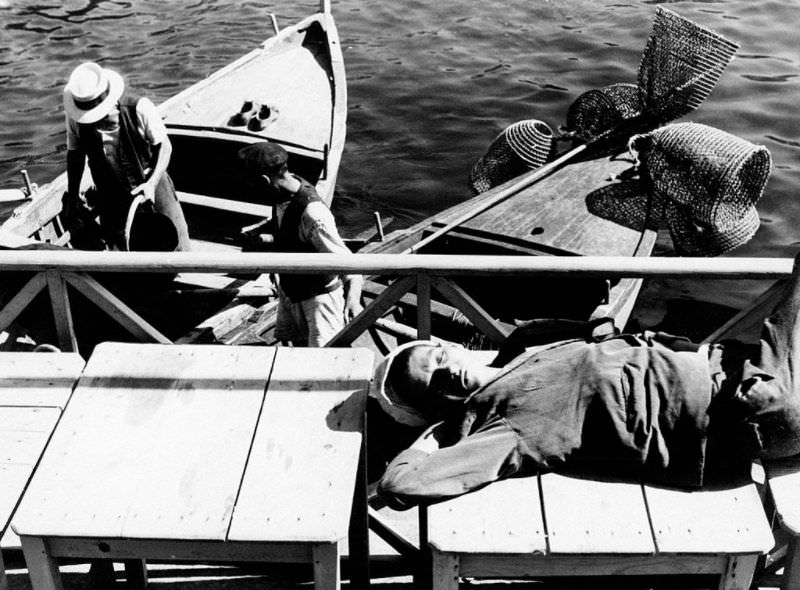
(398, 380)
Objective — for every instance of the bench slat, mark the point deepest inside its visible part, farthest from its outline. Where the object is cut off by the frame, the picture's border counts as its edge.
(38, 379)
(784, 485)
(504, 517)
(588, 516)
(192, 408)
(729, 520)
(23, 435)
(324, 391)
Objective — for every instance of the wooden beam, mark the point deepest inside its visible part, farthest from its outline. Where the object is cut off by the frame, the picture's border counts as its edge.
(423, 306)
(608, 267)
(372, 312)
(62, 312)
(470, 308)
(21, 300)
(115, 308)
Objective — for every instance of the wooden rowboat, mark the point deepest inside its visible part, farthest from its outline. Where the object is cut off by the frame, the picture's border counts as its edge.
(549, 217)
(299, 74)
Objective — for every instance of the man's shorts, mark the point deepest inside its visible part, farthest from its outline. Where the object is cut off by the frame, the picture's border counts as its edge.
(311, 322)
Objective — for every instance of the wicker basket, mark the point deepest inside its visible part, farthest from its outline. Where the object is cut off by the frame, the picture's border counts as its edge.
(520, 147)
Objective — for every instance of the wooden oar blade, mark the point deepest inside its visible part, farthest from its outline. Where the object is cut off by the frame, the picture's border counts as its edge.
(681, 64)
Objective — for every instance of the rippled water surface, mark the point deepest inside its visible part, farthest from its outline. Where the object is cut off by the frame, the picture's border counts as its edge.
(430, 85)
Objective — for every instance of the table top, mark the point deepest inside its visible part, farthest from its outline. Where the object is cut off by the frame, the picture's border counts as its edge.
(204, 443)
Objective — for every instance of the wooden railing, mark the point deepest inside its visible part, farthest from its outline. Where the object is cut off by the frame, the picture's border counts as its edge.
(58, 270)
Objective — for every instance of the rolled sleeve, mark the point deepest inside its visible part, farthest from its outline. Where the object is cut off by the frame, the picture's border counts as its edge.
(152, 126)
(415, 476)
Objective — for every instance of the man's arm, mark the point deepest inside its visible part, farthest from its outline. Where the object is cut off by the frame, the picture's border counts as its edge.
(155, 132)
(323, 234)
(428, 471)
(148, 187)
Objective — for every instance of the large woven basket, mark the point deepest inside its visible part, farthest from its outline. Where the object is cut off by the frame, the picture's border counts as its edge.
(603, 109)
(710, 180)
(520, 147)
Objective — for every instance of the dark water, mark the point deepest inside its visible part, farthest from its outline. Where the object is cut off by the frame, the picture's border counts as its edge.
(430, 85)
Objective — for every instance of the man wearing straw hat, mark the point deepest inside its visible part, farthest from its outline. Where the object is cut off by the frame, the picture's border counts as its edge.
(128, 150)
(632, 405)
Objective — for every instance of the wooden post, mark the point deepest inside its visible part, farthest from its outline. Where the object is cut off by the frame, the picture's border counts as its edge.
(62, 312)
(42, 568)
(359, 524)
(327, 573)
(423, 306)
(3, 578)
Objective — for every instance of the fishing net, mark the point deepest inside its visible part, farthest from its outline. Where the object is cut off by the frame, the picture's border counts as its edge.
(681, 63)
(520, 147)
(603, 109)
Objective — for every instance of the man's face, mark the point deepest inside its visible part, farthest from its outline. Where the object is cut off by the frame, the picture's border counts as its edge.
(445, 374)
(110, 122)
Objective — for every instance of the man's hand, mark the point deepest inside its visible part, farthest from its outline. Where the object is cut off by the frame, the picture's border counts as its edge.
(147, 190)
(352, 305)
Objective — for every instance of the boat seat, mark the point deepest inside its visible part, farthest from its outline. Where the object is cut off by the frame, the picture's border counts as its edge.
(34, 388)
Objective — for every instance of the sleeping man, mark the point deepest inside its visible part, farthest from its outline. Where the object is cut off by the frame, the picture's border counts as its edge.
(647, 405)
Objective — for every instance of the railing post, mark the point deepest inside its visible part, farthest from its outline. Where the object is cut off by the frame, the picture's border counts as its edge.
(62, 312)
(423, 306)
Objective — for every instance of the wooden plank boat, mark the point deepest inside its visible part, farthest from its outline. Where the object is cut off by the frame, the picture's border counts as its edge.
(549, 217)
(299, 73)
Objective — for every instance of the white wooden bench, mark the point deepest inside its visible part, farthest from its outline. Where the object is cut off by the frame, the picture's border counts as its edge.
(553, 525)
(34, 388)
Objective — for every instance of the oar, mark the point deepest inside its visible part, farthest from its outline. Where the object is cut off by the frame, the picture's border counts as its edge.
(680, 66)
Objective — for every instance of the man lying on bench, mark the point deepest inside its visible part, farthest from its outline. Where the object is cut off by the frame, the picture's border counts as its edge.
(647, 405)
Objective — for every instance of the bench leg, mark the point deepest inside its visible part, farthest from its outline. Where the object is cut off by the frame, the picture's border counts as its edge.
(3, 578)
(327, 574)
(136, 574)
(445, 571)
(42, 568)
(739, 572)
(791, 567)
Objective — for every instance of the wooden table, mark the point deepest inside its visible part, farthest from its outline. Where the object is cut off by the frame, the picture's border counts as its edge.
(34, 388)
(553, 525)
(203, 453)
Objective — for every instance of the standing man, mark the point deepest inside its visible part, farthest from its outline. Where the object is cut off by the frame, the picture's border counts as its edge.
(128, 150)
(314, 307)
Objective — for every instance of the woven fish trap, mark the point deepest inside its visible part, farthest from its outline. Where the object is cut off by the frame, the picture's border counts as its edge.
(603, 109)
(693, 239)
(520, 147)
(718, 176)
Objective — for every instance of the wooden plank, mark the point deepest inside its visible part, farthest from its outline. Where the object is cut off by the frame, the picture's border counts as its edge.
(153, 444)
(62, 312)
(553, 212)
(504, 517)
(327, 573)
(299, 481)
(42, 567)
(739, 573)
(612, 517)
(38, 379)
(708, 521)
(784, 487)
(242, 207)
(470, 308)
(303, 100)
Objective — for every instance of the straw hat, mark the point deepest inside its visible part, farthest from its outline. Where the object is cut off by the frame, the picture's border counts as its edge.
(91, 92)
(520, 147)
(702, 182)
(390, 401)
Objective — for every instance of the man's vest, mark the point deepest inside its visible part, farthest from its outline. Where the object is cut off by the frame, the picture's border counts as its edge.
(298, 287)
(135, 154)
